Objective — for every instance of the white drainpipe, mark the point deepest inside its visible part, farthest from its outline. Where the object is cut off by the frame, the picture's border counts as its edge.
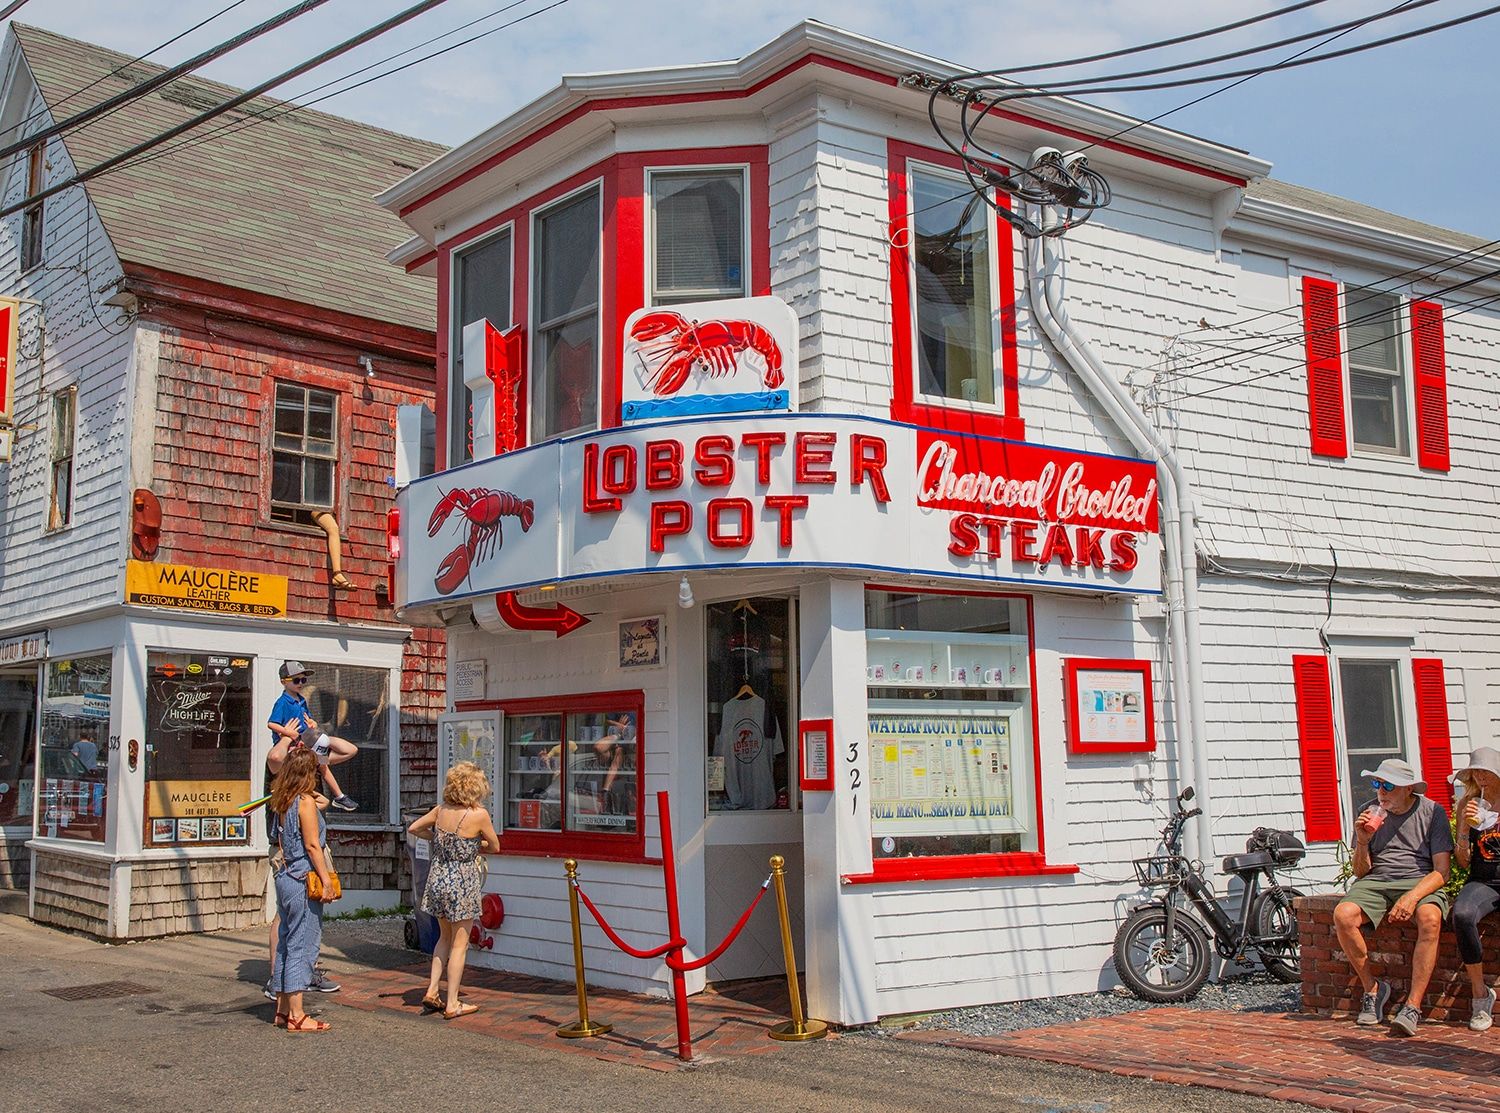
(1179, 533)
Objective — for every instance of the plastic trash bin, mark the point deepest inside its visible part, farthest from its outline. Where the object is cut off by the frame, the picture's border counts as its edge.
(421, 930)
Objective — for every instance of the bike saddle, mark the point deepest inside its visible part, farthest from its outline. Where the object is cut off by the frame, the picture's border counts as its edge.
(1253, 862)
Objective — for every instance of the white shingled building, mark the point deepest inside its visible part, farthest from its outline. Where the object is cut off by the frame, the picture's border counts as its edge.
(943, 583)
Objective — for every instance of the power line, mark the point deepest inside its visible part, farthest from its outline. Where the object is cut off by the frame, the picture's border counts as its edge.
(12, 8)
(1278, 341)
(166, 77)
(233, 102)
(276, 113)
(76, 93)
(1145, 48)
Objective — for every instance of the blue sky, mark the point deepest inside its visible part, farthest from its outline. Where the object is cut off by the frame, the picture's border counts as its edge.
(1401, 127)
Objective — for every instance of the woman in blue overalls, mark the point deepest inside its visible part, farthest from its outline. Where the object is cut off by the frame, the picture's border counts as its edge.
(296, 816)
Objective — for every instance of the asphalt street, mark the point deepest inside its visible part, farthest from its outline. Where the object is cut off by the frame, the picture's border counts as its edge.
(203, 1040)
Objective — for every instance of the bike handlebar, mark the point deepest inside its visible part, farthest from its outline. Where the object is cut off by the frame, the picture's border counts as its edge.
(1191, 814)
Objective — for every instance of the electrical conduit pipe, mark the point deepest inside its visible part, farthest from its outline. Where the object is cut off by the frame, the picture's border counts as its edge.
(1180, 522)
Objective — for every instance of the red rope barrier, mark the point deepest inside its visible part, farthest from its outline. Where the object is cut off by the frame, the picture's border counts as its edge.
(700, 963)
(671, 945)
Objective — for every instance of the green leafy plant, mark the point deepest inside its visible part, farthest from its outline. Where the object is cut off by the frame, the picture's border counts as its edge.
(366, 913)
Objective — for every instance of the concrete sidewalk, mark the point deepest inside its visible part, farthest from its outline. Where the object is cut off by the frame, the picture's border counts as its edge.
(1328, 1064)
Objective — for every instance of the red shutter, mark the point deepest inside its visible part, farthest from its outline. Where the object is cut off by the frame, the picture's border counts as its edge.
(1320, 765)
(1432, 728)
(1325, 367)
(1431, 381)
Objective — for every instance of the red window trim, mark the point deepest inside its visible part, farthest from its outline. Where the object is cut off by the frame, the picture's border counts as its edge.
(571, 844)
(308, 379)
(622, 260)
(1005, 421)
(1076, 743)
(940, 867)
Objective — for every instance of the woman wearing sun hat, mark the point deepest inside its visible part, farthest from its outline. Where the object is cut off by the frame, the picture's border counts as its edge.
(1477, 848)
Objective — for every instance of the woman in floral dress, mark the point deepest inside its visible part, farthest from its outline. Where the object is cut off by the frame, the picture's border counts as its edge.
(460, 831)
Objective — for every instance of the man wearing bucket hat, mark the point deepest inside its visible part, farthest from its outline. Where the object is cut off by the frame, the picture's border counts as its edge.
(1478, 813)
(1402, 851)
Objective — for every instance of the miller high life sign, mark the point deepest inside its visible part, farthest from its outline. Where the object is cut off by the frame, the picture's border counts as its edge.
(804, 489)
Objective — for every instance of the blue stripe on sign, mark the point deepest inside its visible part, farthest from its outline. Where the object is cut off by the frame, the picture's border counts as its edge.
(697, 404)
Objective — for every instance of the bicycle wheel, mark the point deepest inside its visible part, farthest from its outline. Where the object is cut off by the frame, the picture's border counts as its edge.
(1276, 931)
(1155, 968)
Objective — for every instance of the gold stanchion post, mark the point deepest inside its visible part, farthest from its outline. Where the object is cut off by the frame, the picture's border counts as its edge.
(583, 1027)
(798, 1028)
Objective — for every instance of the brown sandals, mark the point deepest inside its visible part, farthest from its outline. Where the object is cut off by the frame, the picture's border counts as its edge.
(462, 1010)
(305, 1023)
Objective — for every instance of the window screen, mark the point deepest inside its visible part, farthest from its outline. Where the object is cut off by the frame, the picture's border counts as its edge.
(698, 241)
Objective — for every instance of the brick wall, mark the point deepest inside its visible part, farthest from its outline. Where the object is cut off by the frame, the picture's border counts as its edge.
(1329, 987)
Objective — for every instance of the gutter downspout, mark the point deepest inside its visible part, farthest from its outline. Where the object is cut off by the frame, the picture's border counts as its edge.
(1180, 522)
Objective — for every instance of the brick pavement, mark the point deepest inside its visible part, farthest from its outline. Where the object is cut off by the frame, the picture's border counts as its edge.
(1331, 1064)
(725, 1023)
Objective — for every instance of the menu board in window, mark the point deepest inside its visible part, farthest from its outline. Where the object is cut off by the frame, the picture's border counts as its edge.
(472, 736)
(198, 722)
(949, 772)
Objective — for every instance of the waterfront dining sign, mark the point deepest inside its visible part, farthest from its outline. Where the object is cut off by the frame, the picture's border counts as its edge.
(814, 490)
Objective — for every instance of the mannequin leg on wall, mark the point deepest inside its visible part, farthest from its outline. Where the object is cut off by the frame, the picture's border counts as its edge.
(330, 526)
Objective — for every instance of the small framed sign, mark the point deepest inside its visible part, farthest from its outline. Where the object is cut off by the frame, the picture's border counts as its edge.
(468, 680)
(815, 744)
(1109, 706)
(641, 644)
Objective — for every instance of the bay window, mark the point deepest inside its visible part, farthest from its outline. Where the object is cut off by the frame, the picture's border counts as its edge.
(698, 235)
(565, 285)
(954, 307)
(481, 291)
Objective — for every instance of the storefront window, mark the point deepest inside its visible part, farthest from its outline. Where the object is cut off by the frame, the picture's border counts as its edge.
(573, 766)
(748, 680)
(198, 723)
(949, 683)
(17, 746)
(74, 750)
(353, 703)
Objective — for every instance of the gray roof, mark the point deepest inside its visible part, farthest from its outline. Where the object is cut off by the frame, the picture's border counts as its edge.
(1312, 200)
(281, 208)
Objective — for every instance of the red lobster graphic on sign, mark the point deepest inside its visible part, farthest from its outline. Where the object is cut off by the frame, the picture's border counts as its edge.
(481, 510)
(681, 344)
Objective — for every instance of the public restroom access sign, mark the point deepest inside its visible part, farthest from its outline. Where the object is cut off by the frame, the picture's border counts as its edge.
(219, 590)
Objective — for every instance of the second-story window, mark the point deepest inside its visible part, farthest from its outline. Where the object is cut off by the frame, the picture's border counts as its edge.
(1377, 377)
(304, 452)
(697, 235)
(481, 291)
(64, 426)
(953, 297)
(31, 217)
(565, 292)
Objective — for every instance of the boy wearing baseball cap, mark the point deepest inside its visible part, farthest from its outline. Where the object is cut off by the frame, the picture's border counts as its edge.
(292, 723)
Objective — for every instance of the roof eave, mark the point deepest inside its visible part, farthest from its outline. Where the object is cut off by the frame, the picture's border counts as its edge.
(808, 37)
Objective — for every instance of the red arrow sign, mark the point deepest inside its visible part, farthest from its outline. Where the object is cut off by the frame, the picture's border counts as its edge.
(562, 619)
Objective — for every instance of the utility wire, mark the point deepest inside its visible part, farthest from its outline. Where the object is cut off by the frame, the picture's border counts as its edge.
(278, 112)
(12, 8)
(1145, 48)
(1280, 341)
(219, 109)
(166, 77)
(76, 93)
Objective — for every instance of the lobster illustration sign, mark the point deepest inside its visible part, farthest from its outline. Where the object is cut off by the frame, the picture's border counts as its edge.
(711, 357)
(480, 511)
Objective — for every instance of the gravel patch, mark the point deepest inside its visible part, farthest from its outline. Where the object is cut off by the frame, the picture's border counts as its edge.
(1255, 993)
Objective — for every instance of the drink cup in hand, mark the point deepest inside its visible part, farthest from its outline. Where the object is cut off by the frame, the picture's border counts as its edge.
(1484, 818)
(1373, 818)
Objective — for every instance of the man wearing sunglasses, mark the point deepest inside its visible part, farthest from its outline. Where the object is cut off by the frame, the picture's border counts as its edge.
(1402, 850)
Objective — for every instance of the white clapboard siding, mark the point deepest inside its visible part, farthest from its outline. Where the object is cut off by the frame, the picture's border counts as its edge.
(45, 574)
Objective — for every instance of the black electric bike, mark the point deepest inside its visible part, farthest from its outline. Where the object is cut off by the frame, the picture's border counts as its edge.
(1161, 950)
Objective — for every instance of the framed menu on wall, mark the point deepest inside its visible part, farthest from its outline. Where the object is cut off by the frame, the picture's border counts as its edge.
(1109, 705)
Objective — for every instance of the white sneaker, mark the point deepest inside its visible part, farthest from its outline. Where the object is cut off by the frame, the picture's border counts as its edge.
(1481, 1012)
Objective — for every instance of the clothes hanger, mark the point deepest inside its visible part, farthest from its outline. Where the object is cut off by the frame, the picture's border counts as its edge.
(744, 605)
(745, 690)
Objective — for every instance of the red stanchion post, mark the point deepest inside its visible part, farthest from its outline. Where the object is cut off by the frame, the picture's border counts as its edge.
(674, 927)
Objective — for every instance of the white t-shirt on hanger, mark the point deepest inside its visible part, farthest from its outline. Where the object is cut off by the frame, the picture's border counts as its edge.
(748, 755)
